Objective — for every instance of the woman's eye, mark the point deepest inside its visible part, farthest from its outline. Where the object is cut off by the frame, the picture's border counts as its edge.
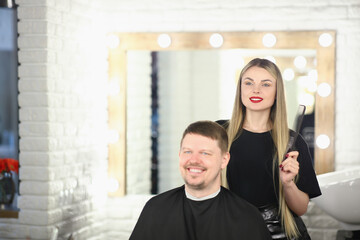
(248, 83)
(267, 83)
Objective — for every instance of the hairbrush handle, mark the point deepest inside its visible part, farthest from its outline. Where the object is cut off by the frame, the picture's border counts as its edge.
(292, 139)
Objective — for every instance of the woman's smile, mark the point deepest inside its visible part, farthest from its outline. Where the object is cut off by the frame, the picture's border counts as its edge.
(256, 99)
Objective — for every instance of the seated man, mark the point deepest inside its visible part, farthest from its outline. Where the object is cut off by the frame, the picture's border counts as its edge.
(201, 209)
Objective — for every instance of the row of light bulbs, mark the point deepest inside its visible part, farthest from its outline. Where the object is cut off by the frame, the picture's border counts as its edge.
(309, 82)
(216, 40)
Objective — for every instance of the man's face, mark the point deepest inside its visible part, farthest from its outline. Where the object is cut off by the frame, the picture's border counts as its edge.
(201, 161)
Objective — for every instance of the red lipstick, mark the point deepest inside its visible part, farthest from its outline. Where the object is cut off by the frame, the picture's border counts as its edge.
(256, 99)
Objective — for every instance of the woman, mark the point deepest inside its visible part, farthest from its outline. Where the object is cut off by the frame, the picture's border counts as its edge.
(260, 171)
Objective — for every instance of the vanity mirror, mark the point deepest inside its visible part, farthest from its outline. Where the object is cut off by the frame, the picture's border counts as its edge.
(317, 48)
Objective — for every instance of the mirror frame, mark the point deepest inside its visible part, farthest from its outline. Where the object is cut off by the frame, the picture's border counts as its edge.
(324, 107)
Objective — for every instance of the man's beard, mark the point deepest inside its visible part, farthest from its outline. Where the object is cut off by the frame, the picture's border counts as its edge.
(198, 186)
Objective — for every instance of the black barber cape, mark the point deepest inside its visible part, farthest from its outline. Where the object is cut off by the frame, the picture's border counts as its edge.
(172, 216)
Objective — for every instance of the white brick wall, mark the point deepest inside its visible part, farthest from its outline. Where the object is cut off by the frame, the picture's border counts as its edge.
(63, 121)
(63, 102)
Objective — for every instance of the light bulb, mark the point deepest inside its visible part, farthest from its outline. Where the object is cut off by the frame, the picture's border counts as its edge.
(323, 141)
(306, 99)
(300, 62)
(324, 89)
(112, 185)
(288, 74)
(164, 40)
(269, 40)
(271, 59)
(112, 41)
(325, 40)
(216, 40)
(113, 136)
(113, 87)
(313, 76)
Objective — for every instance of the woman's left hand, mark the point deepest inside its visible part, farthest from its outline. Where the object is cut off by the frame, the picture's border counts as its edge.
(296, 199)
(289, 168)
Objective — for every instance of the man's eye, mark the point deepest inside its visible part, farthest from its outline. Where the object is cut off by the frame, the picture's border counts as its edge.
(205, 153)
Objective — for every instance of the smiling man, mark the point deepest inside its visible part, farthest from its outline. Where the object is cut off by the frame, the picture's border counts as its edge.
(201, 209)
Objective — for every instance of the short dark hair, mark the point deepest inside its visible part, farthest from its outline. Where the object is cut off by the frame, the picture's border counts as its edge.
(211, 130)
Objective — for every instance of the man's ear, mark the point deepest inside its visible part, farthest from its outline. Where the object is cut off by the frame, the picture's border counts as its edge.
(225, 160)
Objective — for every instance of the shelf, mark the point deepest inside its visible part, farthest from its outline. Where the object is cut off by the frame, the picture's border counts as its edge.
(9, 213)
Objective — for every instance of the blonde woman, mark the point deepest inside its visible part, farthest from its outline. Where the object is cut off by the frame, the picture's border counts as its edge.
(280, 184)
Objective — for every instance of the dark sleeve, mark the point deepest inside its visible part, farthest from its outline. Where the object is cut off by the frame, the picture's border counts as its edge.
(307, 181)
(223, 123)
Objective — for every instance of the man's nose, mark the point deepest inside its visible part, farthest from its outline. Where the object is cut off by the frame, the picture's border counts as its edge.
(194, 158)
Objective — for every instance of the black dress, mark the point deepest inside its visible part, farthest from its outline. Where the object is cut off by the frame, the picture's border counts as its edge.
(171, 215)
(250, 171)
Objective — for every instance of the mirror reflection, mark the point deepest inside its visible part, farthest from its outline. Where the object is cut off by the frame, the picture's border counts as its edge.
(159, 83)
(186, 86)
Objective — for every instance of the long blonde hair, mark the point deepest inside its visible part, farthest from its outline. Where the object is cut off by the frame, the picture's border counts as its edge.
(279, 133)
